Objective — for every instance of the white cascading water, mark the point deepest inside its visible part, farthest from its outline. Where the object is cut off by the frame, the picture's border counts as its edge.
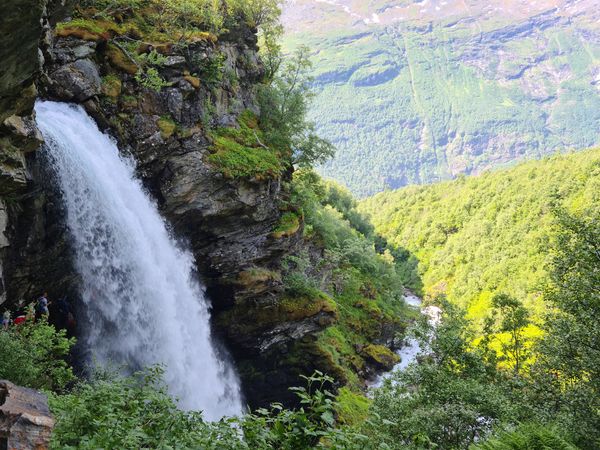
(142, 301)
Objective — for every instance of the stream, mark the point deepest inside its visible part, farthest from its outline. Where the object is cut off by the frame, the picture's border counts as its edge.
(411, 348)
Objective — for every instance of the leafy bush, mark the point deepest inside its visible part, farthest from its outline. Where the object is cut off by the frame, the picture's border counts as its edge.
(34, 355)
(527, 437)
(453, 398)
(112, 411)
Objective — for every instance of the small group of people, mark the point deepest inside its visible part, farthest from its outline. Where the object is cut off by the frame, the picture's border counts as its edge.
(41, 309)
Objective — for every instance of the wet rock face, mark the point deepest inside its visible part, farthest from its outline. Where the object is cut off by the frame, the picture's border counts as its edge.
(25, 419)
(32, 256)
(33, 253)
(21, 24)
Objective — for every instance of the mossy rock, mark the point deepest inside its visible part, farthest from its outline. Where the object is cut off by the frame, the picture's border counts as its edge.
(111, 86)
(255, 275)
(352, 408)
(241, 153)
(167, 127)
(257, 280)
(250, 318)
(83, 29)
(288, 225)
(120, 61)
(129, 102)
(381, 357)
(194, 81)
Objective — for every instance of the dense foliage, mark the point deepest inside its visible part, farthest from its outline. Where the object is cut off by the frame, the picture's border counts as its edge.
(111, 411)
(478, 236)
(487, 378)
(344, 261)
(35, 355)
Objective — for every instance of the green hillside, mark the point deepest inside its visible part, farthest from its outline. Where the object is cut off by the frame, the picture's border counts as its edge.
(425, 97)
(477, 236)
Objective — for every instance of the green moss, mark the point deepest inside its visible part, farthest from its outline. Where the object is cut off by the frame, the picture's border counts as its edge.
(120, 61)
(111, 86)
(306, 355)
(129, 102)
(352, 408)
(248, 318)
(194, 81)
(88, 30)
(257, 275)
(381, 355)
(241, 153)
(167, 127)
(288, 225)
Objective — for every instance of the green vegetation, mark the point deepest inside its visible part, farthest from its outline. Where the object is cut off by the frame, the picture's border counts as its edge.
(35, 355)
(360, 277)
(136, 412)
(457, 397)
(167, 127)
(141, 32)
(240, 152)
(287, 226)
(478, 236)
(421, 101)
(528, 437)
(501, 371)
(284, 102)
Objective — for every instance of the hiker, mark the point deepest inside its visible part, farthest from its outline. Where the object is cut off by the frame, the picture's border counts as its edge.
(6, 320)
(42, 307)
(19, 320)
(66, 317)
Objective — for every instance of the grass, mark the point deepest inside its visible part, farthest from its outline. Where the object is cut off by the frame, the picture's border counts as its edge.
(167, 127)
(241, 153)
(288, 225)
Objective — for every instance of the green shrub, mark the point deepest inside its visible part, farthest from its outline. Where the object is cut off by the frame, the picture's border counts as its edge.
(527, 437)
(34, 355)
(111, 411)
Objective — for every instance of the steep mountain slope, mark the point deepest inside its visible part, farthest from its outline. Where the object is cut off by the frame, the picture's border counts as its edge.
(414, 92)
(477, 236)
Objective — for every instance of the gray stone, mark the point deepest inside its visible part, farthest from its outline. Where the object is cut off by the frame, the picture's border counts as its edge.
(25, 419)
(174, 99)
(175, 62)
(77, 81)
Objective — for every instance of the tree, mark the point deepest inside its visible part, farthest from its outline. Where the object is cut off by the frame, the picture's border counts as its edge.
(284, 102)
(451, 399)
(568, 364)
(514, 318)
(259, 13)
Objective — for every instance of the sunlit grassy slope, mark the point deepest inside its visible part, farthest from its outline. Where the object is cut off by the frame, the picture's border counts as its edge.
(476, 236)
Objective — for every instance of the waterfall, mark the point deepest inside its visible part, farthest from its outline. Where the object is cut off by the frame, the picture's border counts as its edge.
(142, 302)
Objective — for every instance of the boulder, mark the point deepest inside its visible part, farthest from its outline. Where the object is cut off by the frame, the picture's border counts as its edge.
(25, 419)
(77, 81)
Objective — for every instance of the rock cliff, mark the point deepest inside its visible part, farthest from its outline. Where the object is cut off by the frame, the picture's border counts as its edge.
(192, 128)
(227, 218)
